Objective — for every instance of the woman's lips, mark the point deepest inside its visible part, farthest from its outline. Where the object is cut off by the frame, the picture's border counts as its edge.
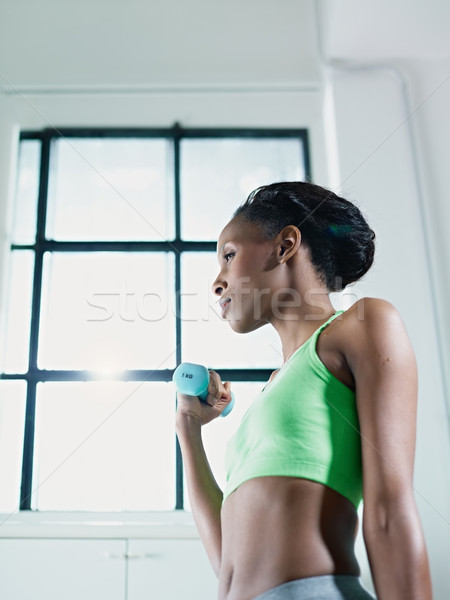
(224, 304)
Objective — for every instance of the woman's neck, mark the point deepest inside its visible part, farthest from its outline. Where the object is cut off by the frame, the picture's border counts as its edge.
(295, 327)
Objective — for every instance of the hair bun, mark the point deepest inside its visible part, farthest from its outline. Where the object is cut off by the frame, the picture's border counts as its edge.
(340, 241)
(353, 248)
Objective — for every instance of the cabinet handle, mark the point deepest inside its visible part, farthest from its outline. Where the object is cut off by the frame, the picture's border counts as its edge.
(141, 555)
(110, 555)
(132, 555)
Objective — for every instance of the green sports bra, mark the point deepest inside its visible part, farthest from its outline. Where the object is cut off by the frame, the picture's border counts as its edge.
(304, 424)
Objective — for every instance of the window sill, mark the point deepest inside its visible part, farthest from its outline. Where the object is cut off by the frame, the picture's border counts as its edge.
(117, 525)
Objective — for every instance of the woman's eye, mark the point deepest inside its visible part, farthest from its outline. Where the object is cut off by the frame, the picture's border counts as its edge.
(227, 257)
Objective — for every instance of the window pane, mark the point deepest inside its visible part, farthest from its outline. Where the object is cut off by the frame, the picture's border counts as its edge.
(104, 446)
(218, 174)
(25, 209)
(209, 340)
(107, 311)
(110, 189)
(18, 312)
(12, 419)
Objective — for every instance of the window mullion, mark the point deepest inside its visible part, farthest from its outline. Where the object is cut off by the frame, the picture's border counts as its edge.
(179, 483)
(29, 432)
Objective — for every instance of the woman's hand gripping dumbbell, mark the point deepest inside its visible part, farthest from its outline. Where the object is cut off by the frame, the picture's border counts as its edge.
(215, 397)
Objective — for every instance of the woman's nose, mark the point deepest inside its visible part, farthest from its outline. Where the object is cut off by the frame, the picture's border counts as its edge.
(218, 286)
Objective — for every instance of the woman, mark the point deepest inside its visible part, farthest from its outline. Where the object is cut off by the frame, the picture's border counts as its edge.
(334, 425)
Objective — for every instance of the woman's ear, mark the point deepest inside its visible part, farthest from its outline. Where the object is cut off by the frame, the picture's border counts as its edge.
(290, 240)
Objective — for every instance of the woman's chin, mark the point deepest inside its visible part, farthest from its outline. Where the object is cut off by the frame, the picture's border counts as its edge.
(241, 326)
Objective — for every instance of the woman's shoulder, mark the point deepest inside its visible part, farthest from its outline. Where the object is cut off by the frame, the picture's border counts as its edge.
(369, 333)
(369, 309)
(369, 323)
(369, 328)
(366, 321)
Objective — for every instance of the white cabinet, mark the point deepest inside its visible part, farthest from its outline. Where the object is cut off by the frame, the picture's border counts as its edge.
(108, 569)
(39, 569)
(169, 570)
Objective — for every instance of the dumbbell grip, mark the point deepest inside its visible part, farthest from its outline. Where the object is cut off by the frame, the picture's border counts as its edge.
(193, 380)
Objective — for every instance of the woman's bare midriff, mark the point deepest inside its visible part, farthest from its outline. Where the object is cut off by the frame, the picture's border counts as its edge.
(277, 529)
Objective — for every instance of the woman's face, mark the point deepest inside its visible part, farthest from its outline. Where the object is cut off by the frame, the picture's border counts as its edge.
(247, 277)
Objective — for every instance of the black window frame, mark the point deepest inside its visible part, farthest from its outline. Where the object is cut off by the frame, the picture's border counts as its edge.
(177, 246)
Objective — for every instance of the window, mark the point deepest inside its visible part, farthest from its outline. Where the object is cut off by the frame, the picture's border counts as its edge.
(109, 287)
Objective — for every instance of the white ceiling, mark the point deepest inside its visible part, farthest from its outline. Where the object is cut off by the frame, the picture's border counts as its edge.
(158, 42)
(132, 43)
(367, 30)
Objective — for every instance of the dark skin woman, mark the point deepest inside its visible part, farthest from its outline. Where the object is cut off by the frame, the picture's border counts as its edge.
(286, 528)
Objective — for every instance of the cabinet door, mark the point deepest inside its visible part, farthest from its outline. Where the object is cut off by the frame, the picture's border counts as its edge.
(62, 569)
(169, 569)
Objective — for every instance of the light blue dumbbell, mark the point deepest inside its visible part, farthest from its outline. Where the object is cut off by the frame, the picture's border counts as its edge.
(193, 380)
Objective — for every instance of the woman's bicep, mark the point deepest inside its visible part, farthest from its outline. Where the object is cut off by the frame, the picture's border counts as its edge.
(384, 367)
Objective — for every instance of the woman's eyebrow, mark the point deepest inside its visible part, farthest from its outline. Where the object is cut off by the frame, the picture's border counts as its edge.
(222, 247)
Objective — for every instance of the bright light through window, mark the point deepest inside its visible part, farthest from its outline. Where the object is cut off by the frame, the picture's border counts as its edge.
(109, 287)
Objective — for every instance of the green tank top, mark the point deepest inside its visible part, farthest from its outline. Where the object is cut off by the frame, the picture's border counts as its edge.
(304, 424)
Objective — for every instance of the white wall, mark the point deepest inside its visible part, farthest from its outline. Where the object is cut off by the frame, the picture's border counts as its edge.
(388, 74)
(411, 38)
(428, 83)
(376, 170)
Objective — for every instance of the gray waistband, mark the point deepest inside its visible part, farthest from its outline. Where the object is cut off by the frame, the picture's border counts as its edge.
(324, 587)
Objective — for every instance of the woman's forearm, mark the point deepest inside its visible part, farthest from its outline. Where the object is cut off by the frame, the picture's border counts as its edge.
(204, 494)
(398, 558)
